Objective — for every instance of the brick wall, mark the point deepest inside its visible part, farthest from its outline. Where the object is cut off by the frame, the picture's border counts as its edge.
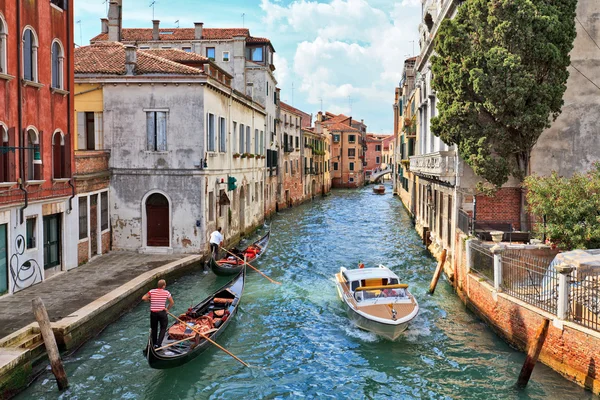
(106, 242)
(89, 162)
(504, 206)
(82, 253)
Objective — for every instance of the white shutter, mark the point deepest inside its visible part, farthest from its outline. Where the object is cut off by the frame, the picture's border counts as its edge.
(161, 131)
(81, 137)
(150, 131)
(98, 131)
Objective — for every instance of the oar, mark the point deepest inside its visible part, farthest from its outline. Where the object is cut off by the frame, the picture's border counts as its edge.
(209, 340)
(182, 340)
(254, 268)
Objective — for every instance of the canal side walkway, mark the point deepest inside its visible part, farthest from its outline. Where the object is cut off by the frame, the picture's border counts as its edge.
(80, 303)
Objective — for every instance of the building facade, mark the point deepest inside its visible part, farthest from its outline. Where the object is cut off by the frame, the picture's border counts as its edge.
(38, 210)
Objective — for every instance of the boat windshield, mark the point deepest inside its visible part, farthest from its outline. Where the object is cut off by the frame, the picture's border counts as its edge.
(389, 294)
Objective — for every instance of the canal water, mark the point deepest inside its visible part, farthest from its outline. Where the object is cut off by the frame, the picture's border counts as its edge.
(297, 337)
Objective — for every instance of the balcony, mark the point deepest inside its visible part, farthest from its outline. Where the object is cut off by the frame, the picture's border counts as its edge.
(288, 148)
(309, 171)
(441, 165)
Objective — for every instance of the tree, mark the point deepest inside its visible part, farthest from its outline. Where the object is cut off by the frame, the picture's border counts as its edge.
(500, 74)
(571, 207)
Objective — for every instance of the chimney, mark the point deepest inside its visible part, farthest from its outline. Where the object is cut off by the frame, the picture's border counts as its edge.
(114, 21)
(104, 22)
(130, 59)
(320, 116)
(155, 30)
(198, 27)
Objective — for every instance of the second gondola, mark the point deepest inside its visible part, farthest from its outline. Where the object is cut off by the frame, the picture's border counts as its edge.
(233, 264)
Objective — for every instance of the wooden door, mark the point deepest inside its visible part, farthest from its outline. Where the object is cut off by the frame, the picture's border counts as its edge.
(157, 221)
(94, 224)
(52, 233)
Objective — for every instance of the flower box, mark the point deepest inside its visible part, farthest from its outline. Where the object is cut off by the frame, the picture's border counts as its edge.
(236, 155)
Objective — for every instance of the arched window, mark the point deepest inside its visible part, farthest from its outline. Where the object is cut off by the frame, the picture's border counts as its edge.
(58, 156)
(57, 65)
(34, 169)
(3, 39)
(30, 46)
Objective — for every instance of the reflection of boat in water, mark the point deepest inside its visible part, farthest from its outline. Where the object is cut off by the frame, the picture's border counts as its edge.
(210, 317)
(230, 265)
(375, 300)
(379, 189)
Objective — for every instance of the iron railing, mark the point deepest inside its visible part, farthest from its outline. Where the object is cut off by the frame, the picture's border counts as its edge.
(530, 279)
(465, 222)
(482, 261)
(584, 301)
(483, 230)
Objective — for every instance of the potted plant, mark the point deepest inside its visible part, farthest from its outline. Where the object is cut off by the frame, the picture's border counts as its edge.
(250, 155)
(244, 155)
(236, 155)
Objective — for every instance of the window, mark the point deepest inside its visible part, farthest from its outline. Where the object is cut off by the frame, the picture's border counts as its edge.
(256, 140)
(262, 142)
(221, 207)
(226, 56)
(210, 53)
(156, 130)
(211, 132)
(30, 55)
(31, 225)
(241, 149)
(336, 138)
(351, 180)
(267, 88)
(377, 160)
(297, 141)
(211, 206)
(247, 194)
(256, 54)
(5, 158)
(351, 138)
(234, 137)
(104, 211)
(351, 153)
(222, 133)
(60, 3)
(248, 140)
(286, 167)
(351, 166)
(377, 147)
(256, 192)
(83, 218)
(89, 130)
(3, 35)
(34, 171)
(59, 156)
(187, 49)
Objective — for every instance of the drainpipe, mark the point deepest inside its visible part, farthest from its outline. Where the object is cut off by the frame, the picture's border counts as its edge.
(69, 108)
(72, 196)
(20, 110)
(22, 209)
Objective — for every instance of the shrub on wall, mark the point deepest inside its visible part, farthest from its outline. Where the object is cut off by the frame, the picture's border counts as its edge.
(571, 207)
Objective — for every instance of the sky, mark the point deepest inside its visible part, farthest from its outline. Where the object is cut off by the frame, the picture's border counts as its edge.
(344, 54)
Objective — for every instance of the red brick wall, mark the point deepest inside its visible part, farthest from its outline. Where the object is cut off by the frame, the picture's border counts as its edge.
(505, 206)
(88, 162)
(82, 253)
(106, 242)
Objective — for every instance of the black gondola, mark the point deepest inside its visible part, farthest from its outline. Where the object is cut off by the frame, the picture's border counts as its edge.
(185, 344)
(230, 265)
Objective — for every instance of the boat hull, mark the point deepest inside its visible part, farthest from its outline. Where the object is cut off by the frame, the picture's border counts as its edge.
(388, 331)
(226, 269)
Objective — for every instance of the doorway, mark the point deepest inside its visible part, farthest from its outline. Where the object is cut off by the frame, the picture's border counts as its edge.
(157, 217)
(94, 224)
(52, 234)
(242, 209)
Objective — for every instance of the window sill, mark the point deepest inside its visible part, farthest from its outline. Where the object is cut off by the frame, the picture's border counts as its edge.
(35, 182)
(6, 77)
(156, 152)
(37, 85)
(7, 184)
(60, 180)
(59, 91)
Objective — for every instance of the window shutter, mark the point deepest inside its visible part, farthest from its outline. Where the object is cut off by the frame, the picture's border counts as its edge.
(81, 136)
(98, 130)
(161, 131)
(12, 170)
(150, 131)
(38, 173)
(67, 155)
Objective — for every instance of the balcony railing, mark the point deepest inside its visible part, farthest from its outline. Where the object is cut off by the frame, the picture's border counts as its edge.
(287, 148)
(309, 171)
(441, 165)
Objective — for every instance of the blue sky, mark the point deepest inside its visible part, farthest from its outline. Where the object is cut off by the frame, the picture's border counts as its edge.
(347, 54)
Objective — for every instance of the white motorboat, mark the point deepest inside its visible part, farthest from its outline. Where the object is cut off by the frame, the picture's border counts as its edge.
(376, 301)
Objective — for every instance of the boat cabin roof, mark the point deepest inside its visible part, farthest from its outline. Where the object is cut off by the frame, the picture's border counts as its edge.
(368, 273)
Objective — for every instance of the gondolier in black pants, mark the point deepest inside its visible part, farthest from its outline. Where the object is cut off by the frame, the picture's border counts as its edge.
(216, 240)
(158, 312)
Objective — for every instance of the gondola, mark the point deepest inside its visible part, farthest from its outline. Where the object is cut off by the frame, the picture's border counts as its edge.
(230, 265)
(212, 316)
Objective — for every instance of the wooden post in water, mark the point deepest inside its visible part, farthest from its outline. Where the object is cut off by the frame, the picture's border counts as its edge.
(41, 315)
(533, 353)
(438, 272)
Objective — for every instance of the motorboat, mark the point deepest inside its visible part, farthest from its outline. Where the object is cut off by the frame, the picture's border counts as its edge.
(379, 189)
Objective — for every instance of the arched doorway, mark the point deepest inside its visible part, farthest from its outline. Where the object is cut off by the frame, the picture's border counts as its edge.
(242, 203)
(157, 221)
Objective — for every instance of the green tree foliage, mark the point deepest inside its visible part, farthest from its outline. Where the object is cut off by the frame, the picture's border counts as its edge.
(500, 74)
(571, 207)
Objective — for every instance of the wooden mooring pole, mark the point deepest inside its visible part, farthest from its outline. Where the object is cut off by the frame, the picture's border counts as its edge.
(41, 315)
(438, 272)
(533, 353)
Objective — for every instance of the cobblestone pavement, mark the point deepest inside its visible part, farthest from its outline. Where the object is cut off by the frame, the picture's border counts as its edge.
(71, 290)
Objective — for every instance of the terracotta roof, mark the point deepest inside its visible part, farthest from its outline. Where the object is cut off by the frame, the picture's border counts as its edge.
(341, 127)
(182, 34)
(179, 56)
(109, 58)
(289, 108)
(335, 118)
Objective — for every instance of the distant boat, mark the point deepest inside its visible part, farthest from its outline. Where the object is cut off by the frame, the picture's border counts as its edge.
(379, 189)
(230, 265)
(211, 317)
(376, 301)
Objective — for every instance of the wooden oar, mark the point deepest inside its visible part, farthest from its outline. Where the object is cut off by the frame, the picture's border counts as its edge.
(254, 268)
(209, 340)
(183, 340)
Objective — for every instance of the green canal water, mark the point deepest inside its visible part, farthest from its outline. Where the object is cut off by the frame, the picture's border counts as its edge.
(296, 336)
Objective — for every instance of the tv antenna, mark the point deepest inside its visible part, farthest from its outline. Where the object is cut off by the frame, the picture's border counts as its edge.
(321, 100)
(243, 20)
(413, 43)
(80, 34)
(152, 5)
(106, 2)
(177, 22)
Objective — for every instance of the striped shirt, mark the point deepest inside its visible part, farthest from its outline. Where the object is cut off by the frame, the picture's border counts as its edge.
(158, 299)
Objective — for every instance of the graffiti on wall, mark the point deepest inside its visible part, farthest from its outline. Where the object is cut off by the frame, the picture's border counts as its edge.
(24, 273)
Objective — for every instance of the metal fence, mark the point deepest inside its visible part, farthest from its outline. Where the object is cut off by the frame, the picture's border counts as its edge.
(465, 222)
(482, 261)
(530, 279)
(584, 301)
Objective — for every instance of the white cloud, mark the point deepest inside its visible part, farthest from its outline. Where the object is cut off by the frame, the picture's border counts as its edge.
(282, 72)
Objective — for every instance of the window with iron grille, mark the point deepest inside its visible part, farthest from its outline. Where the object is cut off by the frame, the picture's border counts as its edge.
(83, 218)
(104, 211)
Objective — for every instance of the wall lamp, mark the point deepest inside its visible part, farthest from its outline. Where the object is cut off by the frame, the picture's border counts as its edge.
(202, 164)
(37, 157)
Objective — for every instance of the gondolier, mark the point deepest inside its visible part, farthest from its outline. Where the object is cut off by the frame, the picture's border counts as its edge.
(158, 312)
(216, 240)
